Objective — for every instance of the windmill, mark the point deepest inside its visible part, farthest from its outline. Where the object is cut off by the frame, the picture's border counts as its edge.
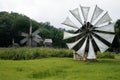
(32, 38)
(96, 33)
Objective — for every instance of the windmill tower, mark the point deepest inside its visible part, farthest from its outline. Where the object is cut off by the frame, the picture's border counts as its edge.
(93, 35)
(31, 38)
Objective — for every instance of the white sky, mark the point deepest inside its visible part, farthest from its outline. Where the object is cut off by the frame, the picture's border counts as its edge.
(55, 11)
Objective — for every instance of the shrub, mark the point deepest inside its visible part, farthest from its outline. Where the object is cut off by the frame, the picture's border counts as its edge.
(105, 55)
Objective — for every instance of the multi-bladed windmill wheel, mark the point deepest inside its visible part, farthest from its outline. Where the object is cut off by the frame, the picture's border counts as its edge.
(31, 37)
(94, 35)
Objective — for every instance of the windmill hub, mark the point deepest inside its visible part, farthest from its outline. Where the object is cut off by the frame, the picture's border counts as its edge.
(30, 36)
(87, 28)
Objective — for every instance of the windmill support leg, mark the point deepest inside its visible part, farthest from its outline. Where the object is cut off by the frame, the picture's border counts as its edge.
(77, 57)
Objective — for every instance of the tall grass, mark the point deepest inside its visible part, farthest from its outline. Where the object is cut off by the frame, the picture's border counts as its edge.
(26, 53)
(33, 53)
(109, 55)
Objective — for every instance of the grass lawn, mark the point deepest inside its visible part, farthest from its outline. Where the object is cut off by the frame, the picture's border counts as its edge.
(59, 69)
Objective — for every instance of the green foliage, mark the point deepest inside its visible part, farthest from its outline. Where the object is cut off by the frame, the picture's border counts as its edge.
(11, 24)
(108, 55)
(116, 42)
(59, 69)
(117, 56)
(33, 53)
(55, 34)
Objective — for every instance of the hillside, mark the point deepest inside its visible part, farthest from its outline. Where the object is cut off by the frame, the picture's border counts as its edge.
(12, 24)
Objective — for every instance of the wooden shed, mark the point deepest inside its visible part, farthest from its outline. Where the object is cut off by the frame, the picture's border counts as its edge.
(48, 42)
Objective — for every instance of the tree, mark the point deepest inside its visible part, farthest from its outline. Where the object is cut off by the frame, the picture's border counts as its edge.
(117, 31)
(6, 27)
(116, 42)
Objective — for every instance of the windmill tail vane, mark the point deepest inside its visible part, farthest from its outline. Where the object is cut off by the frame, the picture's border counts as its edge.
(94, 35)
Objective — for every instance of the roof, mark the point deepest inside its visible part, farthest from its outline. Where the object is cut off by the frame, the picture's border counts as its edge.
(48, 40)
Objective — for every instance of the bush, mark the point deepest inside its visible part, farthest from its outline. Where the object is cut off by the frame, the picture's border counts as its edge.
(105, 55)
(33, 53)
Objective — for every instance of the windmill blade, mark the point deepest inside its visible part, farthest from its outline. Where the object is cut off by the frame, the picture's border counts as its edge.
(36, 40)
(107, 28)
(37, 36)
(100, 45)
(76, 14)
(81, 51)
(68, 22)
(71, 45)
(69, 35)
(91, 52)
(24, 34)
(24, 40)
(105, 18)
(96, 13)
(79, 45)
(85, 11)
(107, 37)
(36, 32)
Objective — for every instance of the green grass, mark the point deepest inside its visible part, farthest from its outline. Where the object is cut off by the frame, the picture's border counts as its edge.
(59, 69)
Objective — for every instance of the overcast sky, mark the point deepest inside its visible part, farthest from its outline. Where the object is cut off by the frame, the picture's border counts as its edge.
(55, 11)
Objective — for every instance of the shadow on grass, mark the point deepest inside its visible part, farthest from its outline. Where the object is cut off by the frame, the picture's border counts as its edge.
(50, 72)
(47, 73)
